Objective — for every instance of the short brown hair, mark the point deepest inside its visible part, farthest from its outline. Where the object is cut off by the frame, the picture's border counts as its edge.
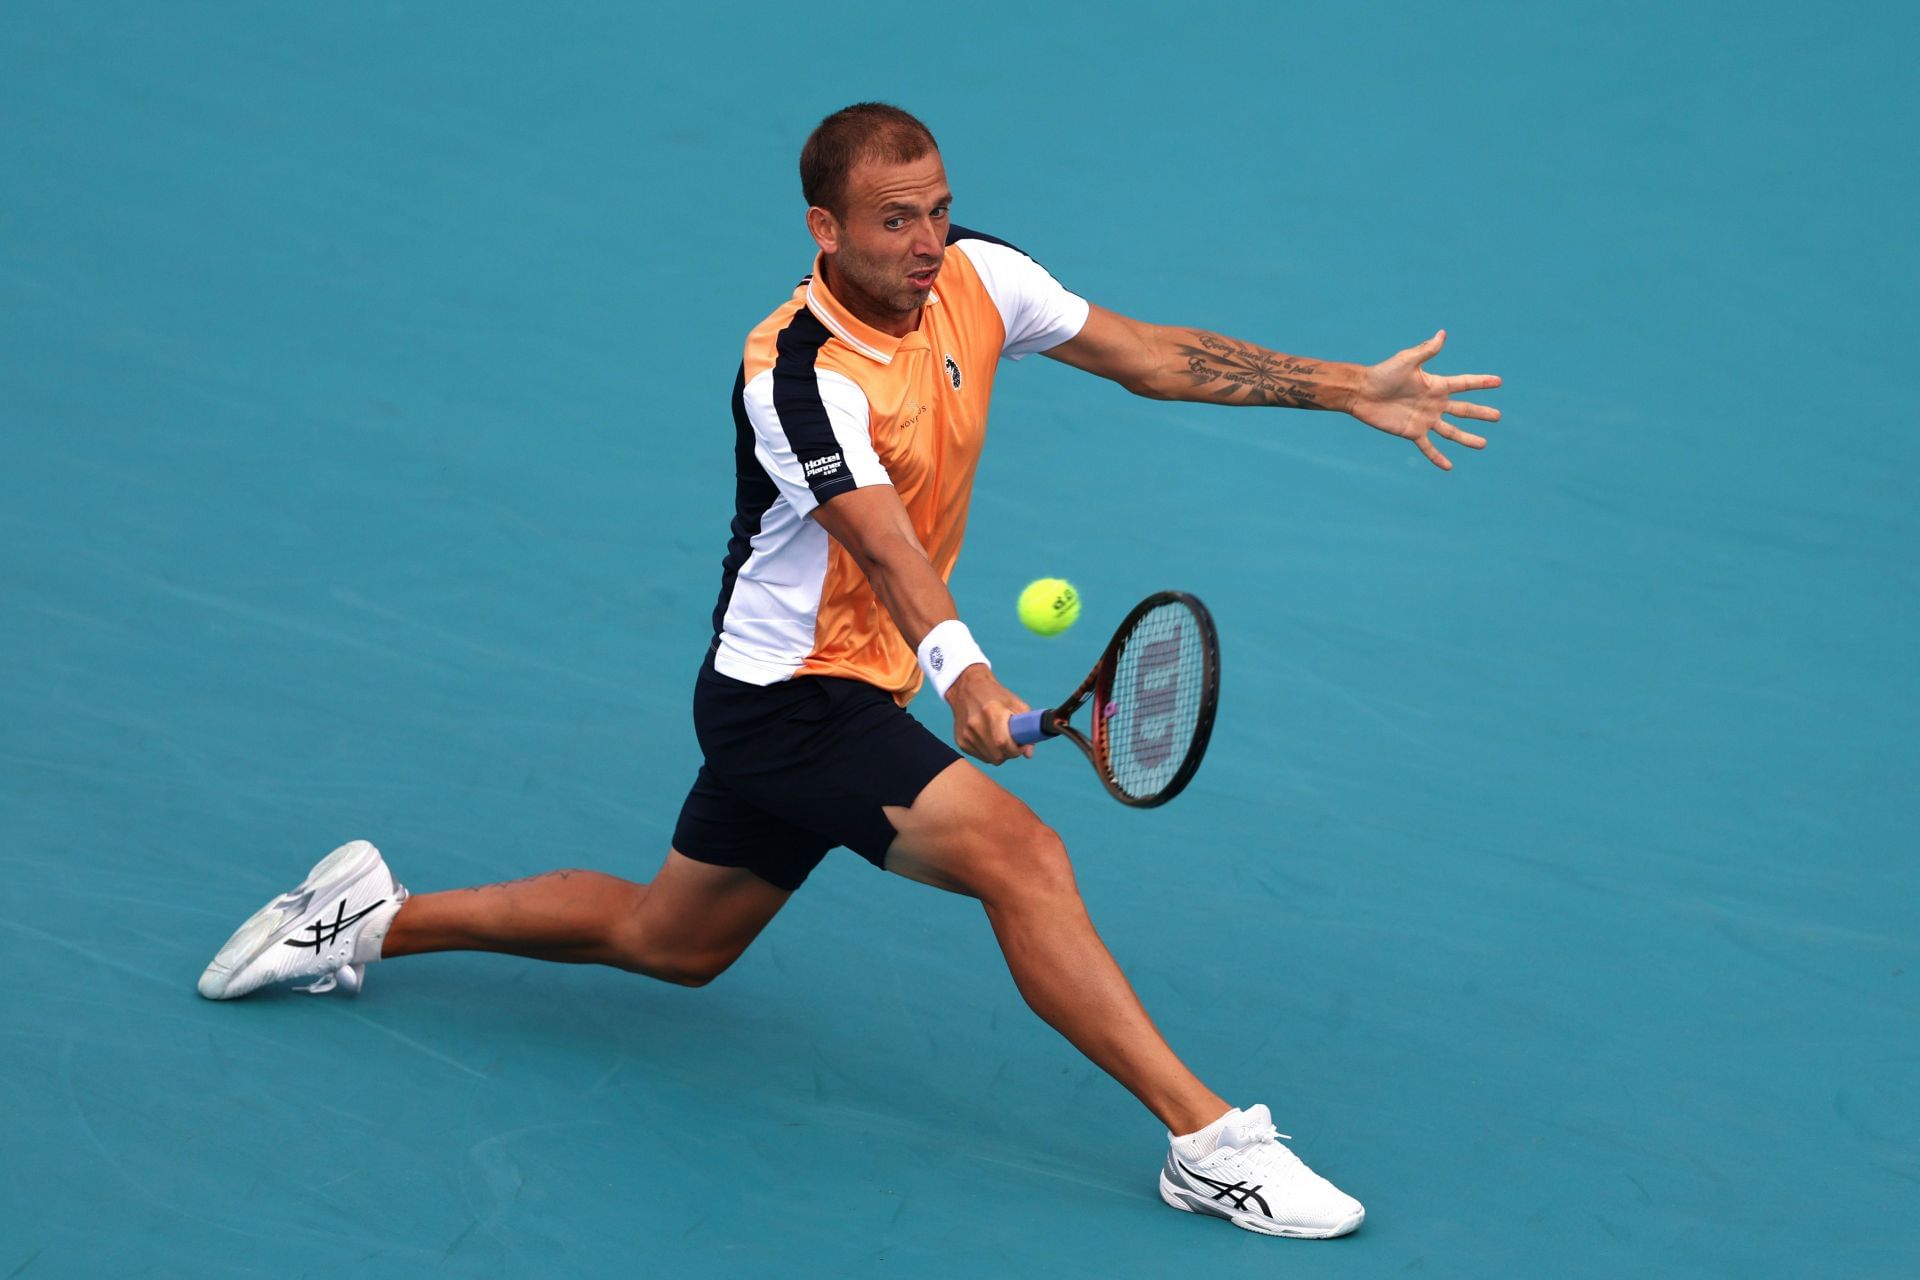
(863, 131)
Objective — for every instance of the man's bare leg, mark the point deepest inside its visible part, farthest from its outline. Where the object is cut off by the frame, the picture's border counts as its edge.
(968, 834)
(686, 926)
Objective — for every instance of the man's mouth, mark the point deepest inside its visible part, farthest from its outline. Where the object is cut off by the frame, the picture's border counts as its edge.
(923, 279)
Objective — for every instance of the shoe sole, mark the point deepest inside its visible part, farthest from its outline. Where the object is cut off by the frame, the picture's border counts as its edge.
(275, 922)
(1188, 1202)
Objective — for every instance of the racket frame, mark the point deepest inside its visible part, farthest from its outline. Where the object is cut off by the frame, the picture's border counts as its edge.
(1098, 686)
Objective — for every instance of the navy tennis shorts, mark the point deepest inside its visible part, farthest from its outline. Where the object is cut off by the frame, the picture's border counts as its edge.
(794, 769)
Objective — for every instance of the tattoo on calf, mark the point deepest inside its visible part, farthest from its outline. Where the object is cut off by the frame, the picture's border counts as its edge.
(1240, 372)
(504, 884)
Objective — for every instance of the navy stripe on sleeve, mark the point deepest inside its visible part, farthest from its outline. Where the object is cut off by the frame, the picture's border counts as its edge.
(955, 233)
(802, 414)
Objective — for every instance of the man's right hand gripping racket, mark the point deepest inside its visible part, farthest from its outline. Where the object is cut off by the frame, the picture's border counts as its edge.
(1153, 693)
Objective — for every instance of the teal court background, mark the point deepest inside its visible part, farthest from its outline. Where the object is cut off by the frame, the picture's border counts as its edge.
(364, 473)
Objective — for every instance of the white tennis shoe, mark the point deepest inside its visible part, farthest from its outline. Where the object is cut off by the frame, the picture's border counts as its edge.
(1253, 1181)
(327, 929)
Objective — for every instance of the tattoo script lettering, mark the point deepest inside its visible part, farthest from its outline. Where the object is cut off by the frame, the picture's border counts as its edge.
(1238, 372)
(506, 884)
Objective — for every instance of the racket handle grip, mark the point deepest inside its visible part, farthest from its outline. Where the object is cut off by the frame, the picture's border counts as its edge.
(1029, 727)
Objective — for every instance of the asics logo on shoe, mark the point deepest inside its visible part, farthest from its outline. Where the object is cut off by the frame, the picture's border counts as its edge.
(1238, 1193)
(325, 931)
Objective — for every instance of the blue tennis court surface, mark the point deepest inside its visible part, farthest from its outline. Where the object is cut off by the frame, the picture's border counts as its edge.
(364, 472)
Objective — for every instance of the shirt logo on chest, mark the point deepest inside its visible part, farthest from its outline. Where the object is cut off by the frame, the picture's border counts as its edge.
(953, 372)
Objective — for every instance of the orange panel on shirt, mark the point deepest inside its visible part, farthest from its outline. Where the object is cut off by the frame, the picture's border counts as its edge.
(928, 433)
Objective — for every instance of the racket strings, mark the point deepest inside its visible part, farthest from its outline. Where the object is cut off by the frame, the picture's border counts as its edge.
(1153, 708)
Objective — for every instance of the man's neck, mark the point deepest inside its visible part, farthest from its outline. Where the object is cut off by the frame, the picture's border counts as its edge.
(862, 306)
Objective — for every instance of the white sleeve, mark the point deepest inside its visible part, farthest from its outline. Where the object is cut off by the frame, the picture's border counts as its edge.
(1038, 311)
(811, 434)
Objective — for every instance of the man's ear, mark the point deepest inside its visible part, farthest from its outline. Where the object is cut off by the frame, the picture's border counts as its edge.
(824, 228)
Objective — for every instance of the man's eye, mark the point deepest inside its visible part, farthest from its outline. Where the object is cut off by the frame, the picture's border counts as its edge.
(894, 224)
(940, 212)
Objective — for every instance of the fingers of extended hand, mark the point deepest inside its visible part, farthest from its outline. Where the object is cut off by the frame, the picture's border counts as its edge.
(1420, 352)
(1434, 455)
(1466, 409)
(1470, 382)
(1447, 431)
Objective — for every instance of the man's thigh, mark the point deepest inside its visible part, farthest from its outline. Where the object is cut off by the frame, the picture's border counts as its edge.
(968, 834)
(697, 911)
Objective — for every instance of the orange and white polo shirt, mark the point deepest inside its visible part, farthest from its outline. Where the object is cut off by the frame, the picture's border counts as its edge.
(824, 404)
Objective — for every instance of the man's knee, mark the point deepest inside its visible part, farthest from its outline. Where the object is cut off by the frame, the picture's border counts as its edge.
(679, 968)
(636, 952)
(684, 972)
(1031, 865)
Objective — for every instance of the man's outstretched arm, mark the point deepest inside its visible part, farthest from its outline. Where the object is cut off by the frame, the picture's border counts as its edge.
(1396, 396)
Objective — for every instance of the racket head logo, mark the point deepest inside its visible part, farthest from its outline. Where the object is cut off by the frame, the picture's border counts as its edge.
(1156, 699)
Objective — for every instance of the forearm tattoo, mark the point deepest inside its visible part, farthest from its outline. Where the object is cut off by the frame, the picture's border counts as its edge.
(1240, 373)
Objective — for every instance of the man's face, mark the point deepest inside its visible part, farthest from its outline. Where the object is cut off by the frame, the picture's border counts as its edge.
(887, 246)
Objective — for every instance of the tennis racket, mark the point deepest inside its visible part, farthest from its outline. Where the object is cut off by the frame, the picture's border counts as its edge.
(1153, 693)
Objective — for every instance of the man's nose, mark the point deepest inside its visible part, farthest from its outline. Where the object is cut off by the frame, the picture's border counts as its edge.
(927, 240)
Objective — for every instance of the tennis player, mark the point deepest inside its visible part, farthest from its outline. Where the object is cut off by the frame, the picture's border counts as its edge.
(859, 413)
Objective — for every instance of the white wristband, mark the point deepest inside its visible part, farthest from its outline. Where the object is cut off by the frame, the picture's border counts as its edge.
(946, 651)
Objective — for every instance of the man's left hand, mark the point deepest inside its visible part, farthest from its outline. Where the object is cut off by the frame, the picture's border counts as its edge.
(1400, 398)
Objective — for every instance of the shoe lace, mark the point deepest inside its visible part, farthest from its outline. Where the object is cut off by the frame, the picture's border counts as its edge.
(1247, 1129)
(1253, 1135)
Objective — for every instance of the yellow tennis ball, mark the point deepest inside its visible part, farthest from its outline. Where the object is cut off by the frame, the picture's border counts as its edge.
(1049, 606)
